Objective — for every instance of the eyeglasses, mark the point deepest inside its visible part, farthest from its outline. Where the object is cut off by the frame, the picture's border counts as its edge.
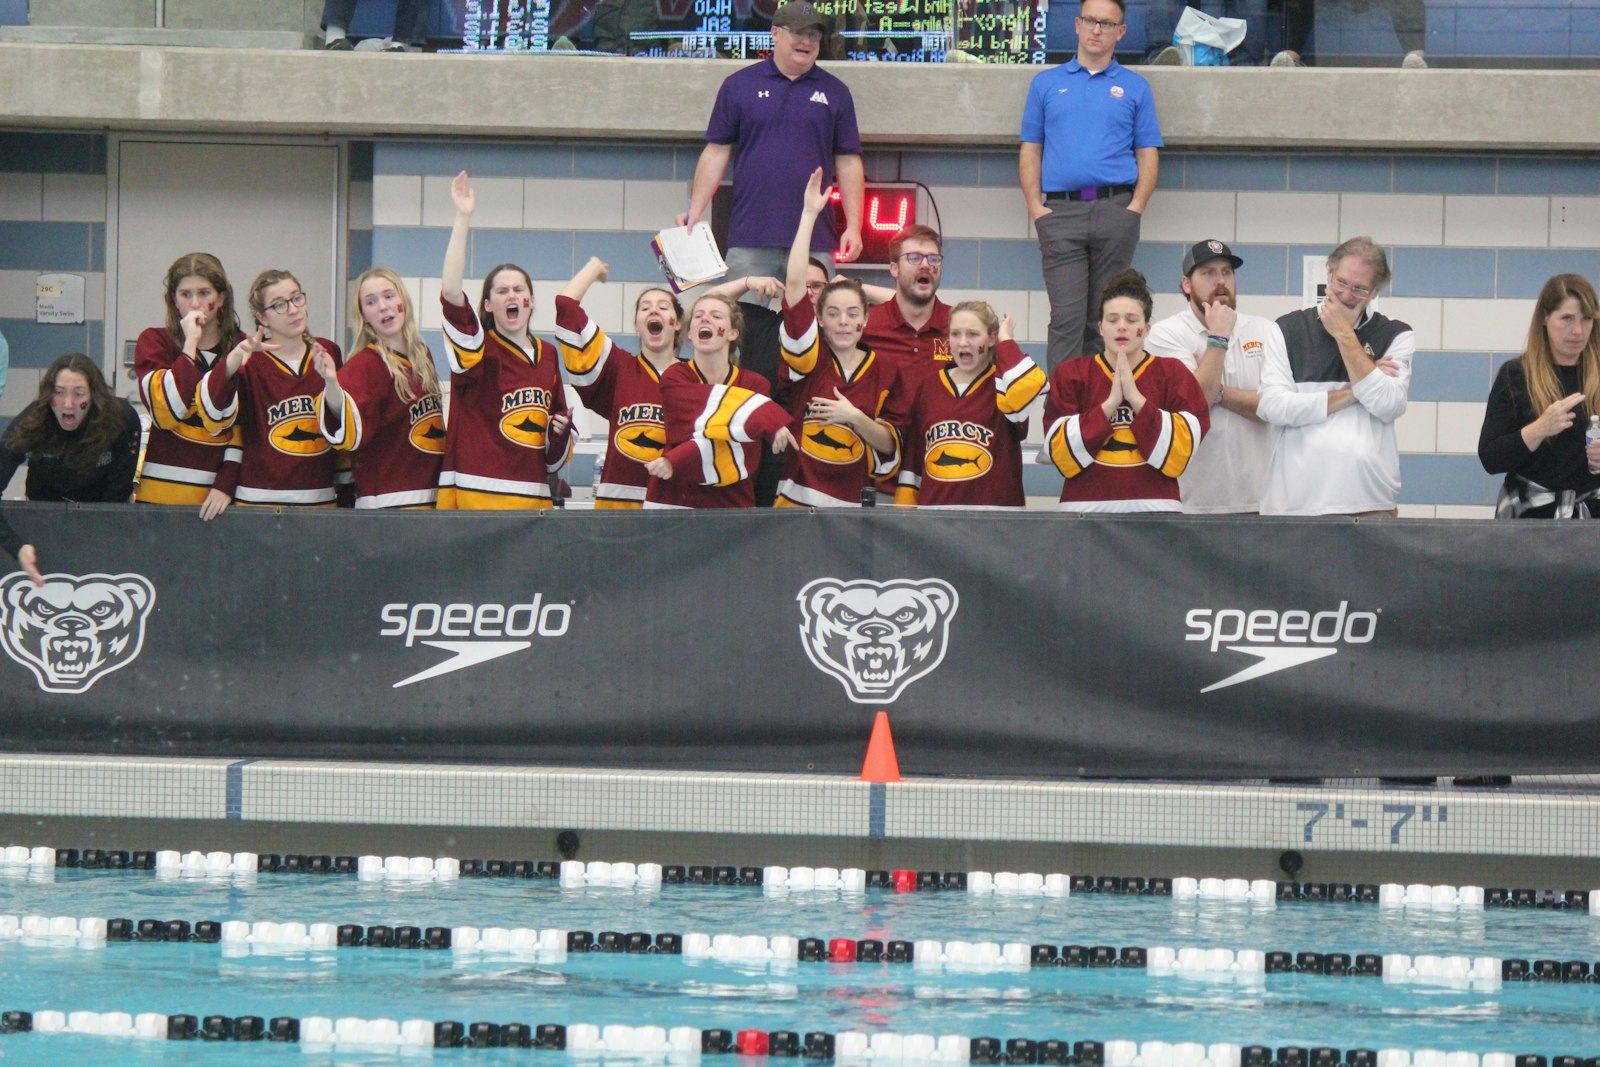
(917, 259)
(809, 33)
(1103, 25)
(1360, 292)
(279, 307)
(816, 287)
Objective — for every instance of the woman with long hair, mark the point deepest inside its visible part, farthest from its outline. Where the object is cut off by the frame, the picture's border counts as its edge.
(1541, 405)
(383, 405)
(964, 422)
(717, 416)
(267, 386)
(184, 463)
(509, 428)
(78, 438)
(834, 385)
(624, 388)
(1122, 425)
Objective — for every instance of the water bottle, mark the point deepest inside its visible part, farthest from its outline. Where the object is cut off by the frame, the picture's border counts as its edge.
(1591, 437)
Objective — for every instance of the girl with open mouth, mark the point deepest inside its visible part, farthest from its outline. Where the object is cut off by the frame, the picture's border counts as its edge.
(964, 423)
(510, 429)
(623, 388)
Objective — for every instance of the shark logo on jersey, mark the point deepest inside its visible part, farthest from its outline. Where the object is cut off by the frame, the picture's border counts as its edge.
(876, 638)
(75, 629)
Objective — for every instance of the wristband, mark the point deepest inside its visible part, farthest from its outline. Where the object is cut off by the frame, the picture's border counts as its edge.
(1213, 341)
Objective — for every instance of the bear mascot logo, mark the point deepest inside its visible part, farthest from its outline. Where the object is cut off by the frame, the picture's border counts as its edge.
(74, 630)
(876, 637)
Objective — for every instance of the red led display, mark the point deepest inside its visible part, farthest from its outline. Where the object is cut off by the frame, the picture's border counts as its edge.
(885, 211)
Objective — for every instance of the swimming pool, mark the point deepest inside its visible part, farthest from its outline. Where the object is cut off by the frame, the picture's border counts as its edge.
(977, 997)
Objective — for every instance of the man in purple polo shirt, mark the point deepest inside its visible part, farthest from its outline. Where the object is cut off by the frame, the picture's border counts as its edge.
(1087, 168)
(777, 121)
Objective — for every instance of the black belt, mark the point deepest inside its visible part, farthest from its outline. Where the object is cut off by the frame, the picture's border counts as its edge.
(1090, 192)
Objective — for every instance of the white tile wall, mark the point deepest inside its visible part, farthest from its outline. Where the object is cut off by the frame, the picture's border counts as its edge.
(1423, 314)
(652, 206)
(1459, 424)
(1485, 325)
(74, 198)
(397, 200)
(1416, 511)
(563, 204)
(1269, 307)
(1417, 429)
(1395, 220)
(1463, 511)
(22, 197)
(1180, 215)
(1504, 221)
(963, 214)
(1575, 222)
(1288, 218)
(22, 385)
(499, 203)
(1038, 317)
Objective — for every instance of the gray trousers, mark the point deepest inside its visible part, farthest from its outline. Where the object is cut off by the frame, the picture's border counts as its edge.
(1083, 244)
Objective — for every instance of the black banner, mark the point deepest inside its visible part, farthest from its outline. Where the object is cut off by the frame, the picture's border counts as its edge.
(1001, 644)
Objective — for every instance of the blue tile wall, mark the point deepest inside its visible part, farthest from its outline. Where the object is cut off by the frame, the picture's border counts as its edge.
(1265, 271)
(1236, 173)
(624, 161)
(1523, 271)
(411, 250)
(35, 344)
(1444, 174)
(1547, 177)
(1340, 174)
(1461, 377)
(1443, 271)
(1446, 479)
(543, 253)
(77, 246)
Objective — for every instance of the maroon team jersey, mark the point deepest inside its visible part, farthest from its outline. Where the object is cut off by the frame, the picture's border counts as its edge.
(396, 445)
(1127, 462)
(964, 446)
(622, 387)
(286, 460)
(833, 464)
(715, 433)
(499, 450)
(183, 460)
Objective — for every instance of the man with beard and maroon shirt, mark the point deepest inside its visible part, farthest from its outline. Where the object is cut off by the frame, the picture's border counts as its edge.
(1225, 351)
(912, 328)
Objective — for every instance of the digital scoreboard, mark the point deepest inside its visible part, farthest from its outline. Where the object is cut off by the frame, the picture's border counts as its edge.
(886, 209)
(902, 31)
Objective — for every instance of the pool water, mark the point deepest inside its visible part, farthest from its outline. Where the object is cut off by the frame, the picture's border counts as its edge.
(1063, 1003)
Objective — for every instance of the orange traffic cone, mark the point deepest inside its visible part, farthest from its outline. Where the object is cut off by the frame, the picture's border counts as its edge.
(881, 764)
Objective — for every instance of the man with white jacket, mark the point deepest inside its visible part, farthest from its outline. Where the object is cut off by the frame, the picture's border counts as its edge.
(1334, 387)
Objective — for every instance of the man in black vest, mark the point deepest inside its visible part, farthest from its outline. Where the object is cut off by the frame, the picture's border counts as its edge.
(1334, 390)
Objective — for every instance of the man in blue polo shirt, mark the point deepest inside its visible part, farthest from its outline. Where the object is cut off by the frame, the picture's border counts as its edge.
(777, 121)
(1087, 169)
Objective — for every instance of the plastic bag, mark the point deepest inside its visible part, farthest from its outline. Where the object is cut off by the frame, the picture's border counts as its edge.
(1205, 40)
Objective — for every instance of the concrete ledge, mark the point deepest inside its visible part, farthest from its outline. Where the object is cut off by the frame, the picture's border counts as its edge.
(582, 97)
(1557, 818)
(150, 37)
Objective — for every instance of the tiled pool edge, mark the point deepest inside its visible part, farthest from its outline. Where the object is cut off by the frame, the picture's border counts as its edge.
(1334, 817)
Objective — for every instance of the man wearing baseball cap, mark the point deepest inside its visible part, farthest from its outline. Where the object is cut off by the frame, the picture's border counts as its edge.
(1225, 351)
(777, 121)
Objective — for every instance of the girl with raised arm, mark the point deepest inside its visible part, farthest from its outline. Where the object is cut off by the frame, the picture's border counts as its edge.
(383, 405)
(509, 427)
(833, 384)
(1123, 425)
(964, 423)
(267, 386)
(184, 463)
(623, 388)
(717, 416)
